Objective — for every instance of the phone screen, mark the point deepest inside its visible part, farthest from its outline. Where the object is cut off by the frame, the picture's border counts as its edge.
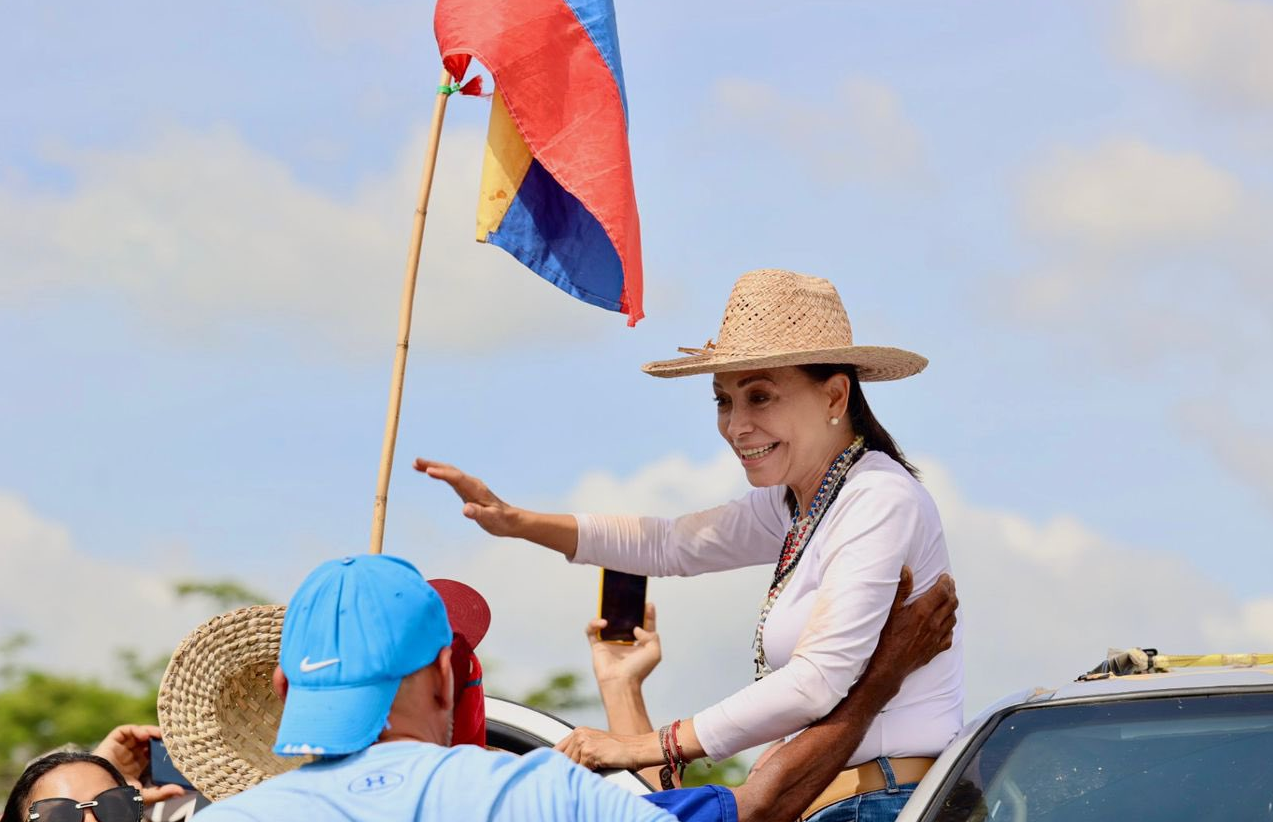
(162, 771)
(622, 605)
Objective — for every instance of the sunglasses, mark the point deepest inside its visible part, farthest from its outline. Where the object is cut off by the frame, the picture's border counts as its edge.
(122, 804)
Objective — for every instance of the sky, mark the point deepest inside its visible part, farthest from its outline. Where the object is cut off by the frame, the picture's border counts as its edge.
(204, 213)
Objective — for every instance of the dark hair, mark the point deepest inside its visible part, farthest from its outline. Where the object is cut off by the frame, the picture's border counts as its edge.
(15, 810)
(864, 422)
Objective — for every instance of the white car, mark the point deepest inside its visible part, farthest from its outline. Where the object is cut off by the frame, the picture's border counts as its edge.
(1193, 742)
(518, 729)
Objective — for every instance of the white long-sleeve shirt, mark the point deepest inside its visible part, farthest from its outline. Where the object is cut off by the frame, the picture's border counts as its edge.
(825, 624)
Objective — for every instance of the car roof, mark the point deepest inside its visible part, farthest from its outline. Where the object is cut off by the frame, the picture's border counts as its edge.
(1186, 679)
(1202, 679)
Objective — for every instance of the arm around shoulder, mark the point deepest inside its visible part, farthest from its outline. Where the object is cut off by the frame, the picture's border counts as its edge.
(862, 548)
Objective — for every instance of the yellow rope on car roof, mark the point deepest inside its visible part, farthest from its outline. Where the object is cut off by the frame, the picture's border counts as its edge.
(1166, 662)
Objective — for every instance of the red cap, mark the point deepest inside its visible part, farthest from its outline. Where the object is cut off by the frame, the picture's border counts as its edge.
(466, 610)
(469, 727)
(470, 618)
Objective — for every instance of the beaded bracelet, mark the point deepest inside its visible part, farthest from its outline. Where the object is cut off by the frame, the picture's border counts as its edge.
(665, 773)
(679, 752)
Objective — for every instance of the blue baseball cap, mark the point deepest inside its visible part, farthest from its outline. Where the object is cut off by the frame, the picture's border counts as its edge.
(352, 631)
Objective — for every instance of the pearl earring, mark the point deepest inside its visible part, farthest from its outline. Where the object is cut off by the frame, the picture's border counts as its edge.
(835, 420)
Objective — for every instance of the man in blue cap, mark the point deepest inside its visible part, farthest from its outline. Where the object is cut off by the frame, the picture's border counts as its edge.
(365, 675)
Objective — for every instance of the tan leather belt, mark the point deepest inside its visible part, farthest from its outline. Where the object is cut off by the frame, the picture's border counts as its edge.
(869, 777)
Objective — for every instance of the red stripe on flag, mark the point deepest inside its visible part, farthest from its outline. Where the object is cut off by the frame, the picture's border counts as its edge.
(566, 104)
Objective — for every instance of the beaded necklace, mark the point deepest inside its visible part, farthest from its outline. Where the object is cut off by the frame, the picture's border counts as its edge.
(802, 528)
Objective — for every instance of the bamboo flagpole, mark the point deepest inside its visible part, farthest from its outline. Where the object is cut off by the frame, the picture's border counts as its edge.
(404, 315)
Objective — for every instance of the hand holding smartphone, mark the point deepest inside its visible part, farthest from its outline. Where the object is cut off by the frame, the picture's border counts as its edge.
(622, 605)
(162, 771)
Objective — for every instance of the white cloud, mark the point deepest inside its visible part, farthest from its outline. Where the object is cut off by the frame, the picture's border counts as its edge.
(207, 238)
(393, 25)
(1147, 256)
(1126, 192)
(1151, 261)
(1243, 448)
(79, 608)
(1219, 48)
(669, 486)
(858, 132)
(1043, 601)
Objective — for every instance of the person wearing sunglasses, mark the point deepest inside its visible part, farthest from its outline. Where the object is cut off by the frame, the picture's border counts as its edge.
(70, 786)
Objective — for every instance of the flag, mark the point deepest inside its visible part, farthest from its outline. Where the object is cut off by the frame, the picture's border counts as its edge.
(556, 188)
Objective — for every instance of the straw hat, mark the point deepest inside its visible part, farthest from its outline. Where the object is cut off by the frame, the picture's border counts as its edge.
(775, 318)
(218, 713)
(217, 709)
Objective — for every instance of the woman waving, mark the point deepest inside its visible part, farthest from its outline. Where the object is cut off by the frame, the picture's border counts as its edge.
(837, 511)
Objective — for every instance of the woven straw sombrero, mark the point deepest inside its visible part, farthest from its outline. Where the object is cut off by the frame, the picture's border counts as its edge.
(775, 318)
(217, 708)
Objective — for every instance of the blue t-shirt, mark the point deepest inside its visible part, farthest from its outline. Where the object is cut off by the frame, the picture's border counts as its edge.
(403, 781)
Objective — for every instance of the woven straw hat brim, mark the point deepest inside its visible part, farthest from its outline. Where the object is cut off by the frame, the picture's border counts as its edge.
(217, 708)
(874, 363)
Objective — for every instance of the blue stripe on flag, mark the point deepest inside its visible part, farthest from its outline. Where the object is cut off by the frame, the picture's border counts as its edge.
(552, 234)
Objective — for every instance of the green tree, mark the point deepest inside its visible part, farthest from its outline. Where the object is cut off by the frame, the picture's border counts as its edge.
(226, 594)
(40, 711)
(562, 692)
(731, 773)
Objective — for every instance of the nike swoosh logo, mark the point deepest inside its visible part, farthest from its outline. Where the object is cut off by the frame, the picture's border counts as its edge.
(308, 667)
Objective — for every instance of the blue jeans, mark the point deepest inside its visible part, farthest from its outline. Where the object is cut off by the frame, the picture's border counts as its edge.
(876, 806)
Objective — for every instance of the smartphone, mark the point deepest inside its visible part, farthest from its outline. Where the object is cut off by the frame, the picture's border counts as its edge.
(622, 605)
(162, 771)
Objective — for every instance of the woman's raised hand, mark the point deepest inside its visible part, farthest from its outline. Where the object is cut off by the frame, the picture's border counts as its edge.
(496, 517)
(559, 532)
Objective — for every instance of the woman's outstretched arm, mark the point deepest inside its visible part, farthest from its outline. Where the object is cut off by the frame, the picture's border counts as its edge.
(560, 532)
(747, 531)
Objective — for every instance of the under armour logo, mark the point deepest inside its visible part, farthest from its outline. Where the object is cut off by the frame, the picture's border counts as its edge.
(375, 781)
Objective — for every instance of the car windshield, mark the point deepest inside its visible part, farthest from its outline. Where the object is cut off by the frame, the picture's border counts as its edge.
(1190, 758)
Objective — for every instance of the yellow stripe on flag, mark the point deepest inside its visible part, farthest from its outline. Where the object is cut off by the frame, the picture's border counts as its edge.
(503, 169)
